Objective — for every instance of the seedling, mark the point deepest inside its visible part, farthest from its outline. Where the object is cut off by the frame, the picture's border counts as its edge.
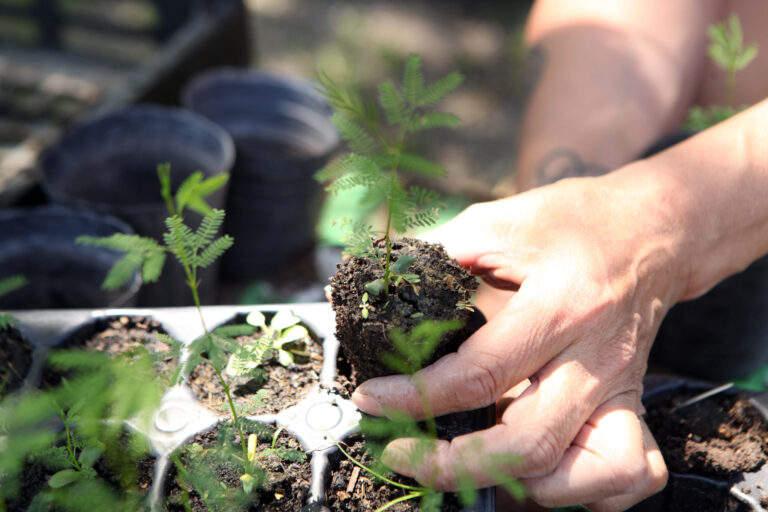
(287, 338)
(378, 157)
(193, 250)
(728, 52)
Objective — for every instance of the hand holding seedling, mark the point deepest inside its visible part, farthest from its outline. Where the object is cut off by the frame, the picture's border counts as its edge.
(597, 263)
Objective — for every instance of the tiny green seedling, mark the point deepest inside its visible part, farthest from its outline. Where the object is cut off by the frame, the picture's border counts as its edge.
(287, 338)
(378, 156)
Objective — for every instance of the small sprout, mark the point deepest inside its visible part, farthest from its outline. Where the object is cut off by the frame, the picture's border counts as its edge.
(284, 335)
(365, 308)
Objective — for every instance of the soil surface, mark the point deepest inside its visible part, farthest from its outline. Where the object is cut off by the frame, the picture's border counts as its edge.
(282, 386)
(123, 335)
(721, 436)
(286, 489)
(15, 360)
(443, 285)
(36, 473)
(352, 488)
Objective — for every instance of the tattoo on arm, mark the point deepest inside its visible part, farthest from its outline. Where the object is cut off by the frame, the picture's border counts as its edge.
(534, 68)
(565, 163)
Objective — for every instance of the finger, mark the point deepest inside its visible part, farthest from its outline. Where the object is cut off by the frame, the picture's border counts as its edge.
(658, 478)
(538, 427)
(613, 463)
(509, 348)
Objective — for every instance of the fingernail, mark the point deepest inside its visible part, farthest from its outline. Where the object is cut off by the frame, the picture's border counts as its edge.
(396, 457)
(366, 402)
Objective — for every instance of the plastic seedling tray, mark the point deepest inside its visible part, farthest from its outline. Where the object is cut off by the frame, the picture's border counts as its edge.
(316, 420)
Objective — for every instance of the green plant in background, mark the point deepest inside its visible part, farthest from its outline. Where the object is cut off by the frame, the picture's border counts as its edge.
(378, 156)
(728, 52)
(8, 285)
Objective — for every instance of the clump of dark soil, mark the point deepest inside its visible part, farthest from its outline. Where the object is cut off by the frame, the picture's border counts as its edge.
(285, 490)
(720, 436)
(282, 386)
(15, 360)
(443, 293)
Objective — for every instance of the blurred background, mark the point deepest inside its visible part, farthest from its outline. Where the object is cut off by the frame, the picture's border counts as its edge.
(66, 63)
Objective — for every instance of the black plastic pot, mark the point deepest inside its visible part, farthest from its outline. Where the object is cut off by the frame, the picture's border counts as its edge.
(109, 165)
(721, 335)
(282, 132)
(40, 244)
(746, 491)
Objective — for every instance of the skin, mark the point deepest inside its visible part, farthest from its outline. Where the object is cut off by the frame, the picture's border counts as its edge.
(588, 266)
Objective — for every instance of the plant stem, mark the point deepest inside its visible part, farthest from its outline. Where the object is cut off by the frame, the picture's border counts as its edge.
(235, 418)
(72, 457)
(401, 499)
(393, 184)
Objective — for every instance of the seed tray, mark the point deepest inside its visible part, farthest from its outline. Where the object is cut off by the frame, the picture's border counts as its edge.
(316, 420)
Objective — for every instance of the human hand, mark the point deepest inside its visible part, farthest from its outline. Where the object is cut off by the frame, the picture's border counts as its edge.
(596, 264)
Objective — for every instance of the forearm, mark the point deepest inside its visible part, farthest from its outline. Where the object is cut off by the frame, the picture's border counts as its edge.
(603, 85)
(711, 194)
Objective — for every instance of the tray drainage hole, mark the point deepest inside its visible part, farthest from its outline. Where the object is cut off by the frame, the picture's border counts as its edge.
(323, 416)
(171, 419)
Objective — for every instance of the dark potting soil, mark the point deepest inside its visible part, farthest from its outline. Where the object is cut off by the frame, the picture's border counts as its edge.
(287, 484)
(137, 480)
(720, 437)
(15, 360)
(444, 291)
(123, 335)
(352, 488)
(282, 386)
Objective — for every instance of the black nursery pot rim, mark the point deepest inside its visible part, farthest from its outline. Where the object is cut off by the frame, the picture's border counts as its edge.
(48, 227)
(745, 483)
(100, 136)
(270, 107)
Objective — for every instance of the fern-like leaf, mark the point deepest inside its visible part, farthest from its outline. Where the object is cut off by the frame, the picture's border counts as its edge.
(413, 80)
(357, 137)
(193, 191)
(421, 166)
(213, 251)
(359, 240)
(429, 120)
(140, 251)
(440, 89)
(392, 103)
(208, 228)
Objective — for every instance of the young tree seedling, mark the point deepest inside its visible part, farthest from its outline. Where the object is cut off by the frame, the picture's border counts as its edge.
(378, 156)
